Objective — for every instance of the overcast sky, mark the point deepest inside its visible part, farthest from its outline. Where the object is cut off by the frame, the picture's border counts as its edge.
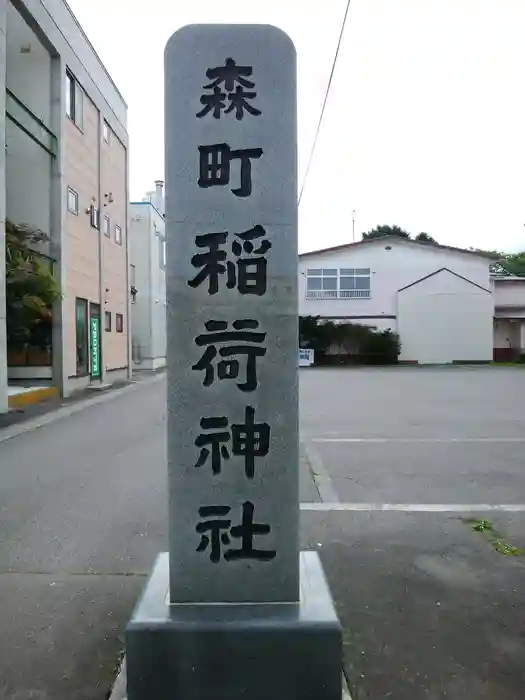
(425, 124)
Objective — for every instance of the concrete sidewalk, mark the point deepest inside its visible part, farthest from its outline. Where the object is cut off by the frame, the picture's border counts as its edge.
(35, 415)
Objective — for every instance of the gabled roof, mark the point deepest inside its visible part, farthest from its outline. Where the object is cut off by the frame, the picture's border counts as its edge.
(437, 272)
(397, 239)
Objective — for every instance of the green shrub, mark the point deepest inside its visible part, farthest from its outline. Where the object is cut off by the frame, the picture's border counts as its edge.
(348, 343)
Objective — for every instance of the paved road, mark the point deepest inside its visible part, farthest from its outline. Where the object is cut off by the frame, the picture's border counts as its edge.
(83, 511)
(430, 610)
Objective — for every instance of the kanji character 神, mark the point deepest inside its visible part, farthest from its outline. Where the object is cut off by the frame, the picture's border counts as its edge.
(248, 440)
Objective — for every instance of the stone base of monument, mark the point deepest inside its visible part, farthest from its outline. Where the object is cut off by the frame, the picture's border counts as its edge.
(231, 652)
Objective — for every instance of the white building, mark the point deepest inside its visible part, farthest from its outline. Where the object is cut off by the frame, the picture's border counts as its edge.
(509, 317)
(442, 301)
(148, 277)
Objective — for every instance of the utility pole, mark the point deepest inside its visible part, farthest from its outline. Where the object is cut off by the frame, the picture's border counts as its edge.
(353, 225)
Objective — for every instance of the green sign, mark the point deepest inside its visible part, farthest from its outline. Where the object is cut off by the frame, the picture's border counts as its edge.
(94, 339)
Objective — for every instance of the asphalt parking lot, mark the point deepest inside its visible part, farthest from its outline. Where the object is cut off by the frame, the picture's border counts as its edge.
(394, 463)
(405, 464)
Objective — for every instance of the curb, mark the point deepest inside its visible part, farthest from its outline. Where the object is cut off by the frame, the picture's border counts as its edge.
(28, 398)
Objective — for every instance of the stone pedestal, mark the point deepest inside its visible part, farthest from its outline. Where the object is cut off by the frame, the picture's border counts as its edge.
(262, 651)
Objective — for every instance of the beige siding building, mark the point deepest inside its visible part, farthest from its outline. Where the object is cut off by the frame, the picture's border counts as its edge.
(65, 172)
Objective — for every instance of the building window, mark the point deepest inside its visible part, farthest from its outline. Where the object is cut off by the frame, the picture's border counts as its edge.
(354, 282)
(107, 321)
(132, 279)
(107, 230)
(333, 283)
(118, 235)
(95, 217)
(81, 332)
(119, 323)
(74, 100)
(105, 129)
(72, 201)
(162, 252)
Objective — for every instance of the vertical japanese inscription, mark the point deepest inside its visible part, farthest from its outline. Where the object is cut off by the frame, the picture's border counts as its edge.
(246, 273)
(231, 187)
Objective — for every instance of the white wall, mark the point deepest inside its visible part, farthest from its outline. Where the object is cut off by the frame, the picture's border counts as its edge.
(445, 319)
(390, 271)
(147, 229)
(158, 288)
(509, 293)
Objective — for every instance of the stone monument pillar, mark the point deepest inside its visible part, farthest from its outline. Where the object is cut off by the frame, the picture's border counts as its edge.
(234, 610)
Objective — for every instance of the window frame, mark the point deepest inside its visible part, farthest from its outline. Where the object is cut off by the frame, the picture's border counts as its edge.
(107, 226)
(95, 217)
(118, 234)
(338, 291)
(107, 321)
(162, 252)
(82, 369)
(119, 323)
(105, 131)
(74, 100)
(74, 193)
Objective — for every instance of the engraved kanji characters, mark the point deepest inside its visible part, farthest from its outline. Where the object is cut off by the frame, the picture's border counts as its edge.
(216, 531)
(219, 441)
(214, 166)
(243, 340)
(247, 274)
(233, 78)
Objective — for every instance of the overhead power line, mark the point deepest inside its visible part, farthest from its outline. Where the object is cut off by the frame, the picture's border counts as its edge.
(310, 159)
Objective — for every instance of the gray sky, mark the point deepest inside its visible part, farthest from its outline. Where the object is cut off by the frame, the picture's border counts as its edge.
(425, 124)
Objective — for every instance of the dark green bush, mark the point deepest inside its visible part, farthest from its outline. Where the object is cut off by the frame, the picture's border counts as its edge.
(348, 343)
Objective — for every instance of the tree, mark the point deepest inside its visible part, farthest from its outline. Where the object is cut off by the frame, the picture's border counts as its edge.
(425, 238)
(384, 230)
(31, 287)
(505, 264)
(510, 264)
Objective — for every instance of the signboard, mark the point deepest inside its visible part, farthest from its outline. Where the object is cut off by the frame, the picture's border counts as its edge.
(94, 341)
(306, 357)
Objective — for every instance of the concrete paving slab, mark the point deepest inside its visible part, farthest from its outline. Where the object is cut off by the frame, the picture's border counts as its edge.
(430, 610)
(62, 635)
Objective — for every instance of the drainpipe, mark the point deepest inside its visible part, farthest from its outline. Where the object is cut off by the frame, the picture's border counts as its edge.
(102, 285)
(58, 225)
(128, 280)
